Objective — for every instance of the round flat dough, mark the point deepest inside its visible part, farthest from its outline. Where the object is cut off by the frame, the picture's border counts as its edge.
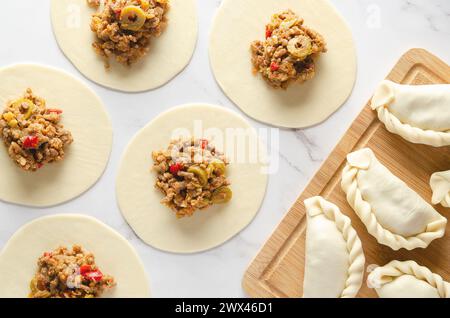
(113, 254)
(168, 55)
(86, 118)
(239, 23)
(139, 200)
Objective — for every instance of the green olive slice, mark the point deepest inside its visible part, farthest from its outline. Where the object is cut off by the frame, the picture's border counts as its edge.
(217, 166)
(287, 24)
(33, 285)
(222, 195)
(24, 101)
(200, 173)
(300, 47)
(132, 18)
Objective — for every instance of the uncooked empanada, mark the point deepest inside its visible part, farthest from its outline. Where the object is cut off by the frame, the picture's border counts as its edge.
(334, 266)
(440, 184)
(392, 212)
(418, 113)
(407, 280)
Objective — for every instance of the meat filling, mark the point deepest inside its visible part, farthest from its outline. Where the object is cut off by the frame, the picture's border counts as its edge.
(33, 133)
(69, 273)
(289, 52)
(192, 176)
(124, 28)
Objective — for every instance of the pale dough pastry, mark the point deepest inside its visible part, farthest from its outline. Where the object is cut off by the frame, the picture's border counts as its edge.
(113, 254)
(83, 115)
(238, 23)
(334, 266)
(168, 55)
(155, 223)
(440, 184)
(407, 280)
(418, 113)
(392, 212)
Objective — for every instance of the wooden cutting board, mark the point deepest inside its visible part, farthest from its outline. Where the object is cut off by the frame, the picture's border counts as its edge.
(278, 269)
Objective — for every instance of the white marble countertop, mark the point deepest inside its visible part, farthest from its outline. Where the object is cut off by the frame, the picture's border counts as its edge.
(383, 31)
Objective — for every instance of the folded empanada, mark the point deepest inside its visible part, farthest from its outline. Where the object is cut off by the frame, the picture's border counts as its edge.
(392, 212)
(334, 266)
(407, 280)
(440, 184)
(418, 113)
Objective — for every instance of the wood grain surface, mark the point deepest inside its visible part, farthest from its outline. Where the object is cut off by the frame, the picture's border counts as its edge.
(277, 271)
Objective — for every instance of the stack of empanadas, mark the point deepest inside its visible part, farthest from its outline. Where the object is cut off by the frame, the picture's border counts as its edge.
(391, 211)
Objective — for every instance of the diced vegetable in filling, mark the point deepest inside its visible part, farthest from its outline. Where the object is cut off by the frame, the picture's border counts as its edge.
(93, 3)
(124, 28)
(192, 176)
(69, 273)
(289, 52)
(33, 133)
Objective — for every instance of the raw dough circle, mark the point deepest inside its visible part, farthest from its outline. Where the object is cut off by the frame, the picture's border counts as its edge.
(155, 223)
(84, 115)
(113, 254)
(239, 23)
(168, 55)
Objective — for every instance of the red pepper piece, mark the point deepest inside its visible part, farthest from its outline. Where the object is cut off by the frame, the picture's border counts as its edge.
(118, 12)
(87, 272)
(84, 269)
(31, 142)
(274, 67)
(175, 168)
(204, 143)
(268, 32)
(47, 254)
(39, 165)
(95, 276)
(57, 111)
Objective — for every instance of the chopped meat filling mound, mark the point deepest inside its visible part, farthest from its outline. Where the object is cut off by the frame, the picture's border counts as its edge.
(69, 273)
(124, 28)
(192, 176)
(289, 52)
(33, 133)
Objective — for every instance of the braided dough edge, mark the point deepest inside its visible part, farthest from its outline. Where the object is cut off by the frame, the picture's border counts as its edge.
(386, 274)
(412, 134)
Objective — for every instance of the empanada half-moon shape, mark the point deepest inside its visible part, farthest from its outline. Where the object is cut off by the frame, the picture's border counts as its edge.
(418, 113)
(334, 266)
(440, 184)
(392, 212)
(407, 280)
